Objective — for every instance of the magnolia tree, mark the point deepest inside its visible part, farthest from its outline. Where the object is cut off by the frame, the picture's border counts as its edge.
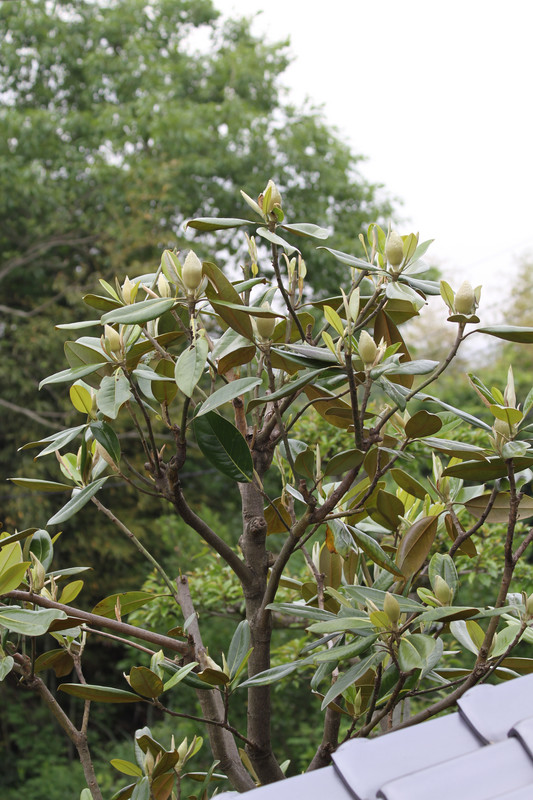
(233, 367)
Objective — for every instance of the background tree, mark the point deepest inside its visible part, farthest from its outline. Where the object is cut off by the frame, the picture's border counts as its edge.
(113, 129)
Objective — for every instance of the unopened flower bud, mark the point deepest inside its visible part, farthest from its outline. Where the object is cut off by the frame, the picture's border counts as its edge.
(394, 249)
(38, 574)
(127, 288)
(368, 349)
(191, 273)
(113, 338)
(272, 196)
(163, 286)
(465, 299)
(265, 325)
(391, 607)
(529, 605)
(502, 428)
(443, 592)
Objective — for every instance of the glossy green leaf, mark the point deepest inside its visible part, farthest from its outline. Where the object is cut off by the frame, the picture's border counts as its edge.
(307, 230)
(6, 541)
(36, 485)
(458, 412)
(106, 436)
(343, 462)
(414, 651)
(141, 790)
(352, 261)
(70, 592)
(499, 512)
(12, 576)
(455, 449)
(145, 682)
(164, 388)
(68, 375)
(460, 631)
(80, 397)
(481, 471)
(264, 233)
(354, 624)
(190, 365)
(422, 424)
(6, 665)
(355, 648)
(373, 550)
(239, 647)
(138, 313)
(56, 441)
(408, 483)
(42, 548)
(80, 498)
(227, 393)
(179, 675)
(443, 565)
(221, 289)
(351, 676)
(126, 767)
(224, 445)
(510, 333)
(510, 415)
(114, 391)
(216, 223)
(100, 694)
(29, 623)
(363, 594)
(127, 602)
(58, 660)
(415, 545)
(274, 674)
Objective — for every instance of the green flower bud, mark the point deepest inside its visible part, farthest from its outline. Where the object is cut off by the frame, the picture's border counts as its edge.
(502, 429)
(163, 286)
(265, 325)
(191, 273)
(368, 349)
(38, 574)
(270, 198)
(127, 290)
(391, 607)
(113, 339)
(394, 249)
(465, 299)
(443, 592)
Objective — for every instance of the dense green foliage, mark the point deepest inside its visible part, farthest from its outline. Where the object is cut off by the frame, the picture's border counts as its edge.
(364, 512)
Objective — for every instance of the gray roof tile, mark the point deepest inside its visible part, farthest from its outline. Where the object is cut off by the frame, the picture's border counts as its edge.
(491, 711)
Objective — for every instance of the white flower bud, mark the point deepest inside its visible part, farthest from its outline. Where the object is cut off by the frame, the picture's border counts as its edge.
(391, 607)
(191, 272)
(265, 325)
(368, 349)
(443, 592)
(127, 288)
(163, 286)
(465, 299)
(113, 338)
(394, 249)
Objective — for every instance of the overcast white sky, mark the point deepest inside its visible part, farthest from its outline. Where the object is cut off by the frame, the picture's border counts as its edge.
(439, 97)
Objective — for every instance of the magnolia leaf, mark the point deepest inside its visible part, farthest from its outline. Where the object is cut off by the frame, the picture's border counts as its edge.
(239, 647)
(289, 388)
(126, 767)
(145, 682)
(100, 694)
(344, 461)
(12, 576)
(224, 445)
(366, 594)
(106, 436)
(114, 391)
(351, 676)
(460, 631)
(275, 239)
(42, 548)
(415, 545)
(29, 623)
(6, 665)
(138, 313)
(81, 399)
(372, 549)
(58, 660)
(127, 601)
(80, 498)
(444, 566)
(481, 471)
(510, 333)
(216, 223)
(36, 485)
(500, 510)
(307, 229)
(227, 393)
(408, 483)
(190, 365)
(422, 424)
